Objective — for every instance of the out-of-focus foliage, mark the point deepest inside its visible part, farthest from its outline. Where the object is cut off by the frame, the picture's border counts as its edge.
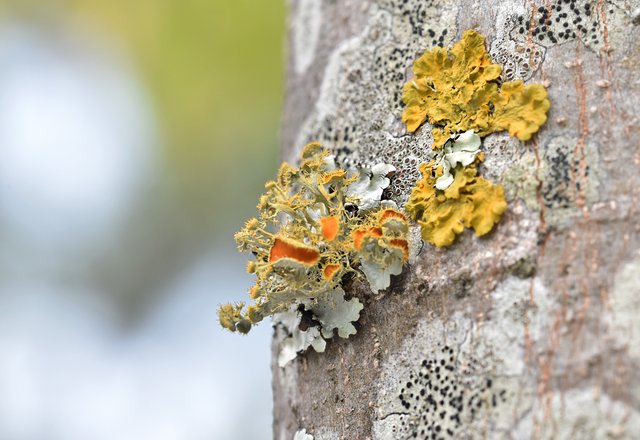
(135, 137)
(213, 69)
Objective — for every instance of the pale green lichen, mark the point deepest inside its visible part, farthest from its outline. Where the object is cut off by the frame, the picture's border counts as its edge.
(331, 310)
(458, 90)
(335, 313)
(318, 223)
(367, 190)
(302, 435)
(462, 150)
(298, 340)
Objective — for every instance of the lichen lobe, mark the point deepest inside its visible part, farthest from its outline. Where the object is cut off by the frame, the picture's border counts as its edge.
(457, 90)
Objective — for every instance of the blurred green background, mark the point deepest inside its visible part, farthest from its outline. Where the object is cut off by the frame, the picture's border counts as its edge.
(212, 70)
(137, 137)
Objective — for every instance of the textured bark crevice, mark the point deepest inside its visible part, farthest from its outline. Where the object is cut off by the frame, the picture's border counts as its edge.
(535, 326)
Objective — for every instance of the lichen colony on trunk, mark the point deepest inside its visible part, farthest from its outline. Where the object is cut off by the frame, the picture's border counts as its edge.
(530, 331)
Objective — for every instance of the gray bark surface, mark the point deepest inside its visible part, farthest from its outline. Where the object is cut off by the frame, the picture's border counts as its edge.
(532, 332)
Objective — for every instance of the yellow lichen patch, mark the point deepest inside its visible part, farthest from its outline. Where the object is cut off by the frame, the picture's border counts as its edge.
(521, 109)
(330, 226)
(489, 205)
(452, 88)
(458, 90)
(286, 248)
(470, 201)
(330, 270)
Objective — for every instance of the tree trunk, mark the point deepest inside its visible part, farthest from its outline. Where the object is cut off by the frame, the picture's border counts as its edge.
(532, 331)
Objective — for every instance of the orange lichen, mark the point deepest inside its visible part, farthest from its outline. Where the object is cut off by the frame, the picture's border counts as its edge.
(286, 248)
(382, 246)
(360, 234)
(391, 213)
(458, 90)
(401, 244)
(330, 226)
(330, 270)
(333, 175)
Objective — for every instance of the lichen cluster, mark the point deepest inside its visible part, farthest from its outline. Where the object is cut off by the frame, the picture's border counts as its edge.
(320, 225)
(458, 92)
(317, 224)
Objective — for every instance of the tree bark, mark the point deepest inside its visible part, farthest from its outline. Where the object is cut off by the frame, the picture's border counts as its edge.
(532, 331)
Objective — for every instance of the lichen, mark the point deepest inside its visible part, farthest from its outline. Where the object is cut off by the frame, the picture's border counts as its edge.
(470, 201)
(455, 377)
(335, 313)
(370, 185)
(458, 90)
(299, 340)
(557, 179)
(461, 150)
(302, 435)
(524, 34)
(520, 109)
(360, 124)
(318, 223)
(390, 228)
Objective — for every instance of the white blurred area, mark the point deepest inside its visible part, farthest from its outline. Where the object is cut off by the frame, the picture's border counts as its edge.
(77, 154)
(76, 138)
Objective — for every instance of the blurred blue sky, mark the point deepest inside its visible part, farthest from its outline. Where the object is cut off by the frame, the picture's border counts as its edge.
(128, 156)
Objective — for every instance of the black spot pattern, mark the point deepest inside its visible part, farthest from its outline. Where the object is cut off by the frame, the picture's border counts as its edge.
(563, 177)
(522, 49)
(443, 397)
